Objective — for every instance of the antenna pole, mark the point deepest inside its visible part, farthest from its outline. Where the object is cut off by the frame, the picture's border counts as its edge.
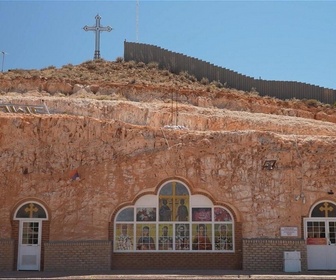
(137, 21)
(3, 60)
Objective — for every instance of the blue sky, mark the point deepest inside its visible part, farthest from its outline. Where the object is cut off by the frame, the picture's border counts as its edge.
(274, 40)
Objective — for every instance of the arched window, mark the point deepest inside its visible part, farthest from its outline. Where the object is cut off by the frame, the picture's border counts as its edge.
(322, 223)
(30, 210)
(174, 220)
(324, 209)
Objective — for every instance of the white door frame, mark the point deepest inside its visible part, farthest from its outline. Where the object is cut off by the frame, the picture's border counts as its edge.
(29, 244)
(30, 216)
(321, 257)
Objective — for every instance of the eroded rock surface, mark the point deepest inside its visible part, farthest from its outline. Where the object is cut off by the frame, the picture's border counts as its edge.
(141, 135)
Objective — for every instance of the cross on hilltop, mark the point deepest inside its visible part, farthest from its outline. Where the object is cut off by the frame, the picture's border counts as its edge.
(97, 29)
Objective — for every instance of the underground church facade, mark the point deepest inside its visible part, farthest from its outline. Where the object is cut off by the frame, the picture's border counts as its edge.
(83, 193)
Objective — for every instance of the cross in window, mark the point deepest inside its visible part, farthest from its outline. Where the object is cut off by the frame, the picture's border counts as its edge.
(31, 209)
(326, 209)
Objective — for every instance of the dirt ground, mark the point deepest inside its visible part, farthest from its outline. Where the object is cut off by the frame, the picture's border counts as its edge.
(171, 274)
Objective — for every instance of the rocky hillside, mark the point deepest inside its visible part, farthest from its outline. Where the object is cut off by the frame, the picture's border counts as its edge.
(126, 127)
(141, 94)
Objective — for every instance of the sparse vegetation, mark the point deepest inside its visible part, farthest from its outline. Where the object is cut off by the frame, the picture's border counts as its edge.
(131, 64)
(187, 76)
(204, 81)
(68, 66)
(112, 77)
(312, 102)
(153, 65)
(119, 59)
(217, 84)
(141, 64)
(92, 66)
(49, 68)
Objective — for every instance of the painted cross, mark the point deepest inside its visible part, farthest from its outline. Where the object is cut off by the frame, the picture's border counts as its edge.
(31, 209)
(97, 28)
(326, 209)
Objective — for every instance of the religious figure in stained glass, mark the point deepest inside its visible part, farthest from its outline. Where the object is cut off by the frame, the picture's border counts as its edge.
(182, 211)
(201, 240)
(166, 240)
(182, 237)
(145, 242)
(165, 211)
(223, 237)
(124, 240)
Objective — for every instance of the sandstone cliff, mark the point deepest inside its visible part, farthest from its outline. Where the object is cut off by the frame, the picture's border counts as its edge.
(126, 127)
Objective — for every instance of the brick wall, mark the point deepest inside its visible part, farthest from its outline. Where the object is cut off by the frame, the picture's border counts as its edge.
(177, 260)
(6, 254)
(77, 256)
(15, 237)
(268, 254)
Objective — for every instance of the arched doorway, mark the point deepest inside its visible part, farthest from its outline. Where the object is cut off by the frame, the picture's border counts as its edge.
(30, 216)
(320, 235)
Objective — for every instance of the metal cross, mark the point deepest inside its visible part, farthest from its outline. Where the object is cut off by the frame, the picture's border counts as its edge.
(31, 209)
(326, 209)
(97, 28)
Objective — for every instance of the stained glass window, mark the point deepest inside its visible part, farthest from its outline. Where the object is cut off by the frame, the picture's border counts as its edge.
(174, 221)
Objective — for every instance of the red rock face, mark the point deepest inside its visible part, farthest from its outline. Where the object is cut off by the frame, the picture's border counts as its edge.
(128, 143)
